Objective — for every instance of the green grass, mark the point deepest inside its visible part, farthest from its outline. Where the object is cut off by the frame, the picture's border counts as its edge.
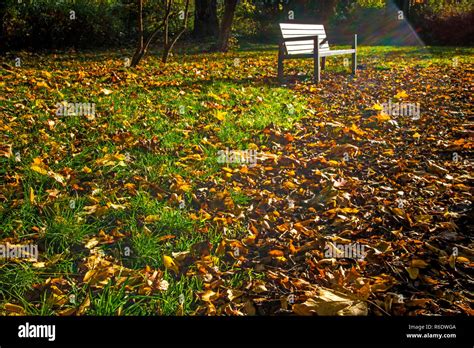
(16, 279)
(156, 116)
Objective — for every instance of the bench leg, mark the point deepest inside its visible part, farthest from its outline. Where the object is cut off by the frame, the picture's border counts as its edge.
(354, 63)
(280, 65)
(323, 63)
(317, 68)
(354, 56)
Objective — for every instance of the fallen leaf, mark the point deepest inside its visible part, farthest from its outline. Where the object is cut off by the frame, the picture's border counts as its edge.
(327, 302)
(170, 263)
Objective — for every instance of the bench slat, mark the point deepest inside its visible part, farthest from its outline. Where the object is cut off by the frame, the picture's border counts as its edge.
(303, 32)
(301, 26)
(307, 45)
(305, 42)
(303, 49)
(292, 30)
(286, 36)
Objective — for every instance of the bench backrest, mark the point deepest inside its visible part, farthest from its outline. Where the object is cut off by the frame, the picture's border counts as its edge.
(290, 30)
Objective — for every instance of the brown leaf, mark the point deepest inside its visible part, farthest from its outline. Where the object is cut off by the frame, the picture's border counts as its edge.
(327, 302)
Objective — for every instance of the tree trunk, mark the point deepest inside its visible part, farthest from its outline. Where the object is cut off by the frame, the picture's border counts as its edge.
(140, 48)
(206, 23)
(168, 46)
(326, 10)
(3, 8)
(226, 25)
(405, 6)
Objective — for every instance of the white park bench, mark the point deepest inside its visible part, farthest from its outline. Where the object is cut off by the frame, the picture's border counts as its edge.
(309, 41)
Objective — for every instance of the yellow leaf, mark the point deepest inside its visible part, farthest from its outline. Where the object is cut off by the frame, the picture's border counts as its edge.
(350, 210)
(39, 264)
(334, 249)
(67, 312)
(382, 117)
(84, 305)
(106, 91)
(253, 146)
(92, 243)
(13, 308)
(42, 84)
(170, 263)
(57, 299)
(46, 74)
(418, 263)
(214, 96)
(401, 94)
(196, 157)
(119, 156)
(413, 272)
(58, 177)
(208, 296)
(221, 248)
(377, 107)
(233, 294)
(32, 195)
(399, 213)
(462, 259)
(152, 218)
(250, 240)
(259, 287)
(116, 206)
(289, 185)
(38, 166)
(357, 130)
(452, 261)
(220, 115)
(39, 169)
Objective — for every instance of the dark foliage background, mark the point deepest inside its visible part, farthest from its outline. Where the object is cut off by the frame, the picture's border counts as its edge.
(47, 24)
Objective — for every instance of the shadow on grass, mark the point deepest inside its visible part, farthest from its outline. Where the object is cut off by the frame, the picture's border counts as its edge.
(289, 80)
(271, 82)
